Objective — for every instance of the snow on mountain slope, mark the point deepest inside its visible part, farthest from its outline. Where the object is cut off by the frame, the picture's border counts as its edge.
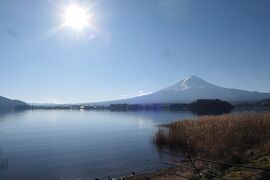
(194, 88)
(190, 82)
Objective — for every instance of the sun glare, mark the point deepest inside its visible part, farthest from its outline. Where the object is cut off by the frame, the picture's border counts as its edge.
(76, 17)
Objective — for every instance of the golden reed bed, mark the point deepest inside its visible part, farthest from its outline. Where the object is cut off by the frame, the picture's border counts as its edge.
(224, 136)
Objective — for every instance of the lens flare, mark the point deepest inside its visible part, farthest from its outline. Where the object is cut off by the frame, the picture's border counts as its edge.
(76, 17)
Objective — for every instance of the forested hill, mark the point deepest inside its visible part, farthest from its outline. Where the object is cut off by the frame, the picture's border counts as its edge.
(9, 104)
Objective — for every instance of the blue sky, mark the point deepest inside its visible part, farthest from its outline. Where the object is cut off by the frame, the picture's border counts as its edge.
(135, 47)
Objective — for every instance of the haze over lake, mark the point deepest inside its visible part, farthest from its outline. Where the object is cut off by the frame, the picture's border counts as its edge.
(64, 144)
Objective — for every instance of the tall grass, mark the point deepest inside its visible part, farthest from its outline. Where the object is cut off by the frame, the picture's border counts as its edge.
(224, 136)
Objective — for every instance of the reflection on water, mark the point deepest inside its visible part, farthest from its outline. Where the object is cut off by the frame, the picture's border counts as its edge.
(3, 162)
(65, 144)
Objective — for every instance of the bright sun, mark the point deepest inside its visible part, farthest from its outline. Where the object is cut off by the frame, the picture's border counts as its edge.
(76, 17)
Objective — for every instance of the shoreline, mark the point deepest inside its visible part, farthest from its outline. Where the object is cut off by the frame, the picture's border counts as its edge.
(159, 174)
(221, 146)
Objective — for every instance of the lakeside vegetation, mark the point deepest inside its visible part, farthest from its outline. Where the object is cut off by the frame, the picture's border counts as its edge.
(201, 106)
(210, 106)
(123, 107)
(240, 138)
(7, 104)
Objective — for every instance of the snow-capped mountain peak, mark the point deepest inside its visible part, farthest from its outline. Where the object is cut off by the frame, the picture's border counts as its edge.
(190, 82)
(193, 88)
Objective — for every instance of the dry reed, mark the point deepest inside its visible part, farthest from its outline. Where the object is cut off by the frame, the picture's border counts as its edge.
(224, 136)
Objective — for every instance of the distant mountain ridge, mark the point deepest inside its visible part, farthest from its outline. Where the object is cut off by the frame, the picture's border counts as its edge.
(187, 90)
(9, 104)
(191, 89)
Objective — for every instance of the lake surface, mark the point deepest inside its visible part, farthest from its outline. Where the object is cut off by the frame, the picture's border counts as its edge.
(66, 144)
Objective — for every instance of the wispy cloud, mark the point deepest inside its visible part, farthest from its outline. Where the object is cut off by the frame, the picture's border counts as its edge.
(142, 93)
(139, 93)
(53, 100)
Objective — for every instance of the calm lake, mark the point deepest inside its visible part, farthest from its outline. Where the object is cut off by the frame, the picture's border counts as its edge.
(66, 144)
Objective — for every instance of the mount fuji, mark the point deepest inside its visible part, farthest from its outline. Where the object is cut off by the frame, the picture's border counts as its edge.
(192, 89)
